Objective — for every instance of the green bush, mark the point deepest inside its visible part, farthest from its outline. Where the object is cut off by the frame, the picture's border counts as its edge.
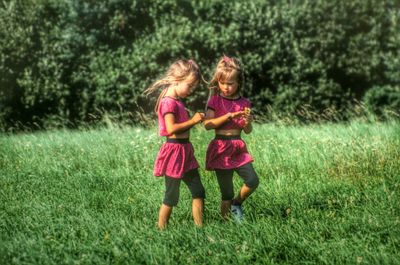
(72, 62)
(383, 101)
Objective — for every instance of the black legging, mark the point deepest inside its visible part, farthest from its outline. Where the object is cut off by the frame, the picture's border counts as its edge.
(225, 181)
(191, 179)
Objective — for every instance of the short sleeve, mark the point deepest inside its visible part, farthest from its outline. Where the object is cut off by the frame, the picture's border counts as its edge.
(211, 103)
(167, 106)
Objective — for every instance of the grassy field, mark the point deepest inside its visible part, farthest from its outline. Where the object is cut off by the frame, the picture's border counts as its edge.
(329, 194)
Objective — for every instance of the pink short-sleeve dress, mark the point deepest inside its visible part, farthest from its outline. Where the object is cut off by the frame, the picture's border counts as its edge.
(231, 152)
(174, 159)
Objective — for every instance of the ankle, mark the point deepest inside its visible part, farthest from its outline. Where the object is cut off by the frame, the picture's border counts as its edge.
(236, 202)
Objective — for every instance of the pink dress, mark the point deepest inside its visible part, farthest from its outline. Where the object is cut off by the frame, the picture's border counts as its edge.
(227, 153)
(177, 158)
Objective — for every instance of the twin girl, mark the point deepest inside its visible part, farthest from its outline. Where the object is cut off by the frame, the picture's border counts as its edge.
(228, 114)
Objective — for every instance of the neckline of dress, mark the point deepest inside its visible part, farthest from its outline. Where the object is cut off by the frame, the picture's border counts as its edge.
(230, 99)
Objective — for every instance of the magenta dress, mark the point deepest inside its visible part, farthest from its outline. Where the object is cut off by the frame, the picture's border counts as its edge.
(173, 159)
(227, 153)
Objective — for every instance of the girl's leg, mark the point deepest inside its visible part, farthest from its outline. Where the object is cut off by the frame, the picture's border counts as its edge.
(163, 216)
(170, 199)
(242, 195)
(251, 182)
(225, 182)
(197, 210)
(225, 208)
(193, 181)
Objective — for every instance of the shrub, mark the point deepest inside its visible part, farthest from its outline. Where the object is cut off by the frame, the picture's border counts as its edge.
(384, 100)
(76, 61)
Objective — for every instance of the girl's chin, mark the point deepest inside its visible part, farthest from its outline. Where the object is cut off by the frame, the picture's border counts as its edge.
(232, 95)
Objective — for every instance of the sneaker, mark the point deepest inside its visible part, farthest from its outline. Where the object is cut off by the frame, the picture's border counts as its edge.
(237, 213)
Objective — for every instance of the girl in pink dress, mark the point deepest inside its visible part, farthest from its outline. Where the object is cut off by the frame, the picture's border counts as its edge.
(176, 160)
(228, 113)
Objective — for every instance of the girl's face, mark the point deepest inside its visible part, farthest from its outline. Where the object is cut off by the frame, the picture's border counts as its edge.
(186, 87)
(229, 86)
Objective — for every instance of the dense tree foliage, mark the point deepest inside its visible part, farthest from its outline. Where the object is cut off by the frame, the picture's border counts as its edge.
(72, 61)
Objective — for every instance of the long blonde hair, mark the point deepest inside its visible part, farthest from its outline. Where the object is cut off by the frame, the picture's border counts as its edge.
(227, 67)
(177, 72)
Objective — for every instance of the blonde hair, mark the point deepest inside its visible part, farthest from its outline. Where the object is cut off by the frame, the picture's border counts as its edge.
(177, 72)
(227, 67)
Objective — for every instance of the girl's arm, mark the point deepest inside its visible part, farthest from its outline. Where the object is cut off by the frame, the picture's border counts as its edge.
(213, 123)
(174, 128)
(247, 126)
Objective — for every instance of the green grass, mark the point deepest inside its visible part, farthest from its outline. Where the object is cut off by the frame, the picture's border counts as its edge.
(329, 194)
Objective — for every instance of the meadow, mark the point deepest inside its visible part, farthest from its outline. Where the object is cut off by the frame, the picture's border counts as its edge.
(328, 194)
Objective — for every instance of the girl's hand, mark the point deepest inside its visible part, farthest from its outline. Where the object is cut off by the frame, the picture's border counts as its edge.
(248, 119)
(236, 114)
(247, 111)
(198, 117)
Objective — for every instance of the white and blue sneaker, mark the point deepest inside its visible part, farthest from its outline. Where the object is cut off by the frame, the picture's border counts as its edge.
(237, 213)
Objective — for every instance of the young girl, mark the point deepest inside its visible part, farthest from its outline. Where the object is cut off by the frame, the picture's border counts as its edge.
(228, 113)
(176, 160)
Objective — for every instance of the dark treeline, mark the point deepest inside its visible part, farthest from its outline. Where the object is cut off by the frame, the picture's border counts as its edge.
(68, 62)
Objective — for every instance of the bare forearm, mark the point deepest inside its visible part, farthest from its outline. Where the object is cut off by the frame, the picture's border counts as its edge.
(248, 128)
(181, 127)
(216, 122)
